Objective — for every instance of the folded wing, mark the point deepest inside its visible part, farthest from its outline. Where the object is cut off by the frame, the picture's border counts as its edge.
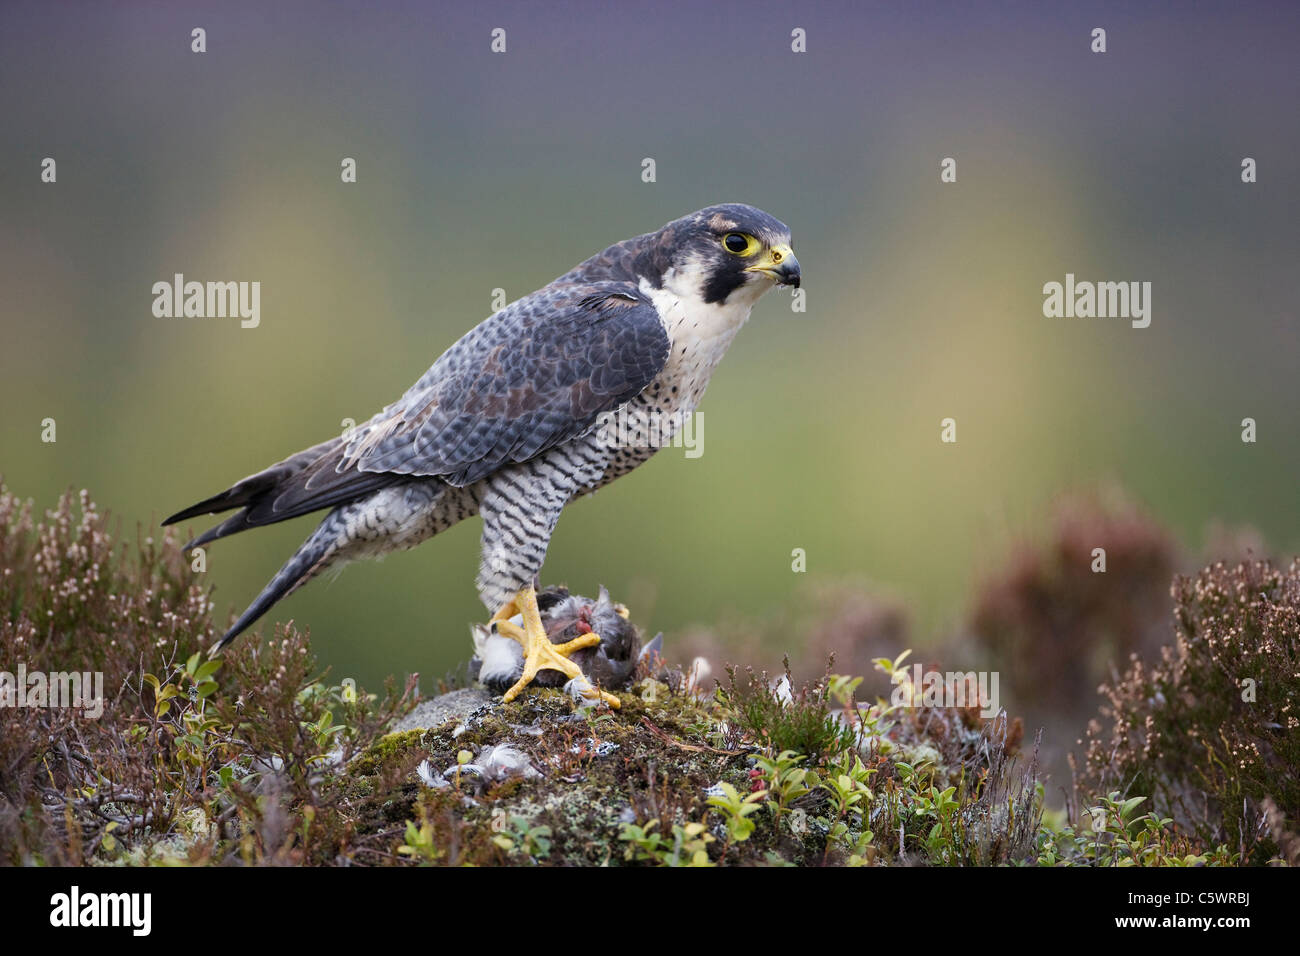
(532, 376)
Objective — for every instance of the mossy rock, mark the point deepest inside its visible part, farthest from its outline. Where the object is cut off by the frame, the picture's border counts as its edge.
(595, 770)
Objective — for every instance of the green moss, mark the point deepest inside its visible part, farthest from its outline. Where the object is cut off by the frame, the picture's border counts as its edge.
(386, 752)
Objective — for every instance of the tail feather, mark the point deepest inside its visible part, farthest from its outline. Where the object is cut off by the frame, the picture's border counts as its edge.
(309, 481)
(391, 520)
(308, 561)
(232, 525)
(244, 491)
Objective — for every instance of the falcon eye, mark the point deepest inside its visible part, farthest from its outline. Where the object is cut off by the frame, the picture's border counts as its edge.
(739, 244)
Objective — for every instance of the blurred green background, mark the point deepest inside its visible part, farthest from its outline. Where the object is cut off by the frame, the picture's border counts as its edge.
(478, 170)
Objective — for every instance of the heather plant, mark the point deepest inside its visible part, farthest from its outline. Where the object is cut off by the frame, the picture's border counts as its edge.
(1211, 731)
(73, 600)
(258, 758)
(190, 758)
(1055, 624)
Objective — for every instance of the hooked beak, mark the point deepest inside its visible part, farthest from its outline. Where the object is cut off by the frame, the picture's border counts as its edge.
(780, 265)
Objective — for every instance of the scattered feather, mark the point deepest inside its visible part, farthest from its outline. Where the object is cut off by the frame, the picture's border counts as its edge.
(430, 777)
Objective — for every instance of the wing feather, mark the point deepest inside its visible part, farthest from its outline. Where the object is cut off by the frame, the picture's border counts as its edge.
(534, 375)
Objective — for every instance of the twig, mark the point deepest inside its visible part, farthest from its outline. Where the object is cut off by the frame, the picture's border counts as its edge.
(682, 745)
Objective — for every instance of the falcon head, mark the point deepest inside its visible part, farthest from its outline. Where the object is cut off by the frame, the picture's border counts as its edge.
(730, 250)
(722, 255)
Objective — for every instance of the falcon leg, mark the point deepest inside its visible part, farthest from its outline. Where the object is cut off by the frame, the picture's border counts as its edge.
(539, 652)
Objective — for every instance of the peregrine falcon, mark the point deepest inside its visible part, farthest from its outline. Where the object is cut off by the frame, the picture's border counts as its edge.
(506, 424)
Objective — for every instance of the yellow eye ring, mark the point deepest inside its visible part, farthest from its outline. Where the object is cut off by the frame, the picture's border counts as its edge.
(740, 244)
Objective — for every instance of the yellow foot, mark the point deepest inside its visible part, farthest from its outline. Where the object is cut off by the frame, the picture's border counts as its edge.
(539, 652)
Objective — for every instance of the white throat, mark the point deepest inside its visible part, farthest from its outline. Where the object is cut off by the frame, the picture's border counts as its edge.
(700, 332)
(686, 315)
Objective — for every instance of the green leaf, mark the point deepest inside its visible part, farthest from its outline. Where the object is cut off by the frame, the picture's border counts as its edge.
(1127, 807)
(206, 670)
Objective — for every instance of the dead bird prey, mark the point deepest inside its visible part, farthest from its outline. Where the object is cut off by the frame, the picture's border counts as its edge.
(498, 661)
(507, 423)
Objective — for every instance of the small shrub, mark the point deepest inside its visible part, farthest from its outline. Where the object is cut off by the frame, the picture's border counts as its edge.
(784, 719)
(1212, 731)
(688, 845)
(191, 760)
(1047, 606)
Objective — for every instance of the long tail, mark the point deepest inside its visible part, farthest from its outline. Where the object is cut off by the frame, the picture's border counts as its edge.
(394, 519)
(311, 480)
(318, 552)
